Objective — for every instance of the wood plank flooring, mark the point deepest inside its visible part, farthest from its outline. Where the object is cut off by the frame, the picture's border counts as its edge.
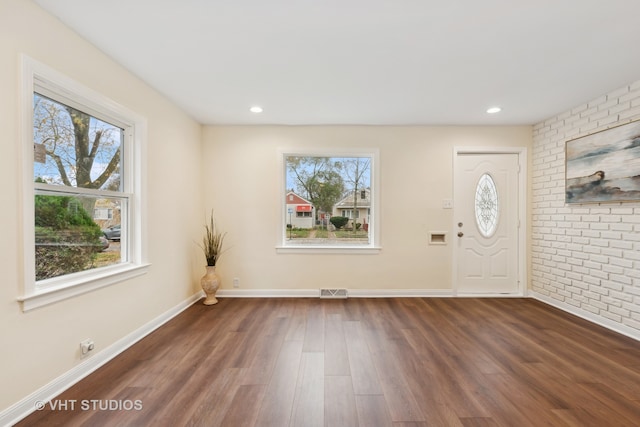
(365, 362)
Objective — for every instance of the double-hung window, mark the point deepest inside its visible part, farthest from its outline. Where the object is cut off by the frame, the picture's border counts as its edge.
(82, 198)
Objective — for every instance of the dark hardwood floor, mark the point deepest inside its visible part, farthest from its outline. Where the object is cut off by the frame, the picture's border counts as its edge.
(365, 362)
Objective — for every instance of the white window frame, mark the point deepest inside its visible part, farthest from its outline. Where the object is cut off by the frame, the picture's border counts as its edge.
(374, 246)
(39, 293)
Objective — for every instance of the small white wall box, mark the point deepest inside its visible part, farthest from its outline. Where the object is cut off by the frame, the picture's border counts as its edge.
(437, 237)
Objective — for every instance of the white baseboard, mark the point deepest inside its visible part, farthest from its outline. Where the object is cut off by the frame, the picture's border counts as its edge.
(315, 293)
(598, 320)
(26, 406)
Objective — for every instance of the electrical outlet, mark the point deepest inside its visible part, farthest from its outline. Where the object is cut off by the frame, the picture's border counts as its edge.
(236, 282)
(86, 346)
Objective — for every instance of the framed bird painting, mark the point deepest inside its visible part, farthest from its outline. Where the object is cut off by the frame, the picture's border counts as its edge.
(604, 166)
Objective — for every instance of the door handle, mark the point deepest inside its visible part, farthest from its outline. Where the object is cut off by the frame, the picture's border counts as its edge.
(460, 234)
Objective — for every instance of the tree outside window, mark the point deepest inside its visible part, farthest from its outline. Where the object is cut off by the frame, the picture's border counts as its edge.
(77, 179)
(340, 190)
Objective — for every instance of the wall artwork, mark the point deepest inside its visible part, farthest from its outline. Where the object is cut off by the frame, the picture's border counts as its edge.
(604, 166)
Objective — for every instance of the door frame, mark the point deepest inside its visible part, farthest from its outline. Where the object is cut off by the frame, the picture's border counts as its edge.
(522, 215)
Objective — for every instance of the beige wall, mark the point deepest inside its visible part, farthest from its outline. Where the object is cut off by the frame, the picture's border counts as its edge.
(242, 176)
(42, 344)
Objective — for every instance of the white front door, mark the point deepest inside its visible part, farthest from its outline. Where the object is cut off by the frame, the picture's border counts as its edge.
(486, 235)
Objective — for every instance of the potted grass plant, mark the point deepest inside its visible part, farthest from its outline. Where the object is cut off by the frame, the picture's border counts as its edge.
(212, 243)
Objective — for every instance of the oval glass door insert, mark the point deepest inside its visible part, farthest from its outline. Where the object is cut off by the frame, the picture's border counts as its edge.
(486, 205)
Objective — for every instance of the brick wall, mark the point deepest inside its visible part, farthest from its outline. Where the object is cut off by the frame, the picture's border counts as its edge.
(585, 258)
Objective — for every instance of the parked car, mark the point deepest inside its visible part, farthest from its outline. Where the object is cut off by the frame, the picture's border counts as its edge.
(112, 233)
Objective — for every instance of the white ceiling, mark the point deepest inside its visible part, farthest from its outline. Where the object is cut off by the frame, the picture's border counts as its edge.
(405, 62)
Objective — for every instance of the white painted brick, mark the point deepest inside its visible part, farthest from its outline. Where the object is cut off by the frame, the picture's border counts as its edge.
(609, 103)
(612, 269)
(629, 115)
(622, 296)
(610, 120)
(632, 255)
(579, 109)
(592, 250)
(622, 211)
(621, 107)
(591, 265)
(619, 311)
(634, 219)
(589, 128)
(599, 274)
(633, 273)
(600, 114)
(617, 262)
(599, 242)
(599, 304)
(631, 307)
(618, 278)
(629, 96)
(592, 296)
(600, 226)
(580, 270)
(618, 92)
(610, 316)
(599, 290)
(586, 256)
(590, 308)
(631, 323)
(621, 244)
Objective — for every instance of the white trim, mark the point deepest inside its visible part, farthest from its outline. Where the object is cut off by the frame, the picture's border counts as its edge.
(315, 293)
(522, 213)
(490, 295)
(26, 406)
(399, 293)
(133, 168)
(85, 281)
(354, 250)
(598, 320)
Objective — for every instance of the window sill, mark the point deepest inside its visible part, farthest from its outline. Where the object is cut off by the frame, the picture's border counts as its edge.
(71, 287)
(308, 249)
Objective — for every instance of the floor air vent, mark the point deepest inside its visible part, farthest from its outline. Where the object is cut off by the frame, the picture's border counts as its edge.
(333, 293)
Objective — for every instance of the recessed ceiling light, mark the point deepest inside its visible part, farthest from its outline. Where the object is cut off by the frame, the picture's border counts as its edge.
(256, 109)
(494, 110)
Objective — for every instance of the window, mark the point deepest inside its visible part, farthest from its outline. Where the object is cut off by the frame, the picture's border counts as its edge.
(101, 213)
(486, 205)
(341, 191)
(82, 167)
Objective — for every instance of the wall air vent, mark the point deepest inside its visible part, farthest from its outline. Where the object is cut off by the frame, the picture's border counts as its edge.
(333, 293)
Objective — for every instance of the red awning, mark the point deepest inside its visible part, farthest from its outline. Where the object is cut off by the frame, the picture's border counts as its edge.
(304, 208)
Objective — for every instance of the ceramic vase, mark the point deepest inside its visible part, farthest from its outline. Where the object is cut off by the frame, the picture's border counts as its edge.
(210, 284)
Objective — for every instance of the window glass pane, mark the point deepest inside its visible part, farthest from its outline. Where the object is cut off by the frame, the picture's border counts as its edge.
(74, 149)
(69, 239)
(328, 200)
(486, 205)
